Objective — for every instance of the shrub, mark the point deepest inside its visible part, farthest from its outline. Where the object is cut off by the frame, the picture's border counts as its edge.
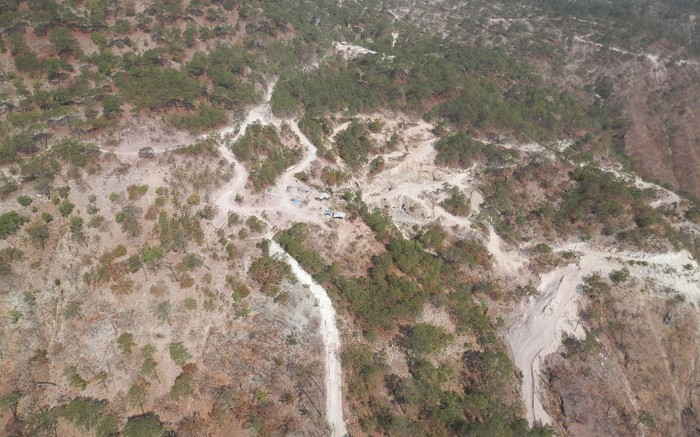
(66, 207)
(618, 276)
(190, 303)
(146, 152)
(24, 200)
(135, 192)
(193, 199)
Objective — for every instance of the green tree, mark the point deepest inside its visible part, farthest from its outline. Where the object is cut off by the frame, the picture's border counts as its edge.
(111, 106)
(162, 311)
(134, 263)
(425, 339)
(183, 387)
(125, 342)
(179, 353)
(456, 202)
(192, 261)
(42, 170)
(153, 255)
(129, 218)
(75, 225)
(10, 222)
(145, 425)
(137, 396)
(64, 42)
(149, 368)
(85, 413)
(38, 233)
(66, 207)
(9, 401)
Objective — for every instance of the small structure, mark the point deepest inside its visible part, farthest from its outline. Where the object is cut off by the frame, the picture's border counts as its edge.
(323, 196)
(338, 214)
(328, 213)
(304, 189)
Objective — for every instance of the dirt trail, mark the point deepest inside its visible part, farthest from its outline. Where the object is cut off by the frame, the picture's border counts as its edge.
(275, 200)
(541, 320)
(331, 342)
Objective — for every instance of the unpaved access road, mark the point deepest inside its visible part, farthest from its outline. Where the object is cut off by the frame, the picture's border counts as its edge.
(333, 376)
(276, 200)
(543, 318)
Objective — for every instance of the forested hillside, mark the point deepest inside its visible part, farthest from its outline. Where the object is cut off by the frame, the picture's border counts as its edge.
(461, 179)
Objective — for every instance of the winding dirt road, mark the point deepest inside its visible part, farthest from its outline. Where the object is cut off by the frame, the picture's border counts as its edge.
(275, 200)
(543, 318)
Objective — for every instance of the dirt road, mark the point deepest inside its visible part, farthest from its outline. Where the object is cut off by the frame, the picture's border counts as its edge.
(275, 200)
(542, 319)
(331, 341)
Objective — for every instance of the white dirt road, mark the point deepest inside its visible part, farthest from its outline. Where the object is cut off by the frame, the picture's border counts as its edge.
(276, 200)
(542, 319)
(331, 341)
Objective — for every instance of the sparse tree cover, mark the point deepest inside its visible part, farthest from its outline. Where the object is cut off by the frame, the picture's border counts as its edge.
(178, 231)
(381, 299)
(589, 201)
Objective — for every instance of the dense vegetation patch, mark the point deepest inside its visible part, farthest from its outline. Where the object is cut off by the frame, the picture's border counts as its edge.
(485, 402)
(265, 154)
(460, 150)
